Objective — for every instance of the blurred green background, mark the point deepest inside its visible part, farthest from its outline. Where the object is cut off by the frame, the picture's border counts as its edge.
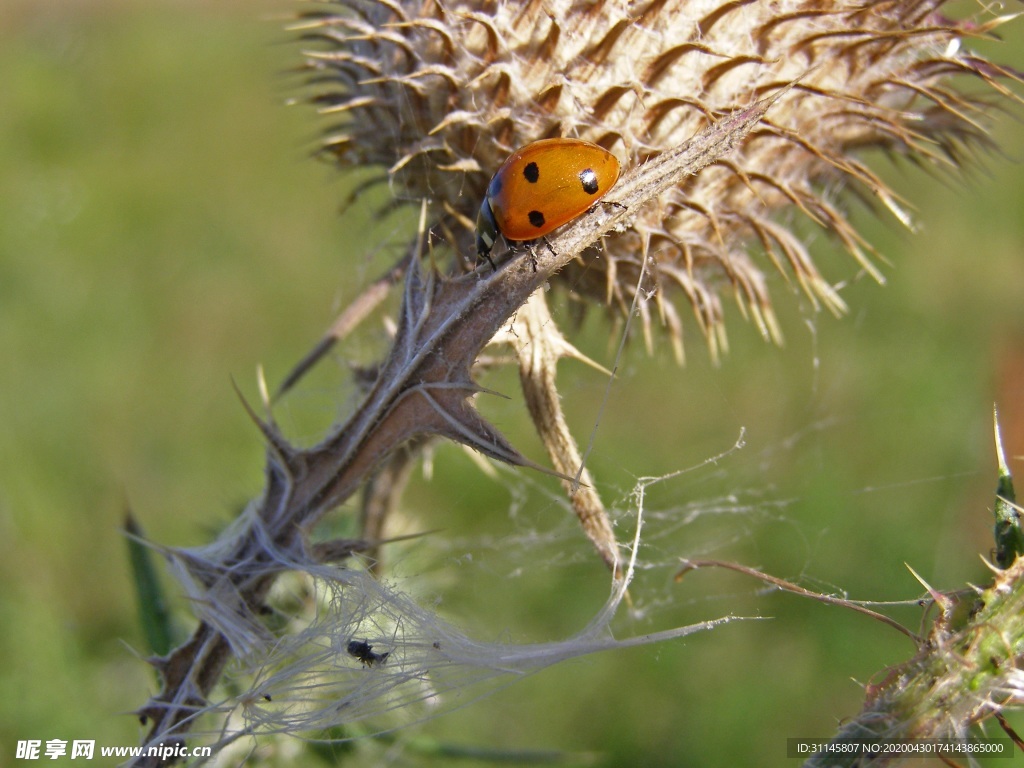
(162, 232)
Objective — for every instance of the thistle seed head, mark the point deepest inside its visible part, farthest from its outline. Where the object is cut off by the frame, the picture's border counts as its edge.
(437, 93)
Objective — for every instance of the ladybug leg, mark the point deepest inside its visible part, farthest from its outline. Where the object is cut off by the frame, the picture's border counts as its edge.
(550, 248)
(533, 253)
(531, 248)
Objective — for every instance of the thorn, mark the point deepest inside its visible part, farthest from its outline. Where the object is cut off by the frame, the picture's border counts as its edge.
(944, 602)
(280, 446)
(261, 384)
(1004, 470)
(990, 565)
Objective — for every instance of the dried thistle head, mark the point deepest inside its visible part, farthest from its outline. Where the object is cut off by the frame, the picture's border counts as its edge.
(436, 94)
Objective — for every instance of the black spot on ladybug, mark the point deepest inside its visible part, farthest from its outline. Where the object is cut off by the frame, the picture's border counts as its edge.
(589, 181)
(536, 218)
(531, 173)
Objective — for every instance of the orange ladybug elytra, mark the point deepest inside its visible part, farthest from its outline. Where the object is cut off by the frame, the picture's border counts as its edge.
(541, 187)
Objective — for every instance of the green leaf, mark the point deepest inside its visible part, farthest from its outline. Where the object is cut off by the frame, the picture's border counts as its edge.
(1008, 532)
(152, 602)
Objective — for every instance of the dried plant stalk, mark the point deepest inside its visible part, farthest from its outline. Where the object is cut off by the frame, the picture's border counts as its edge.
(423, 388)
(434, 94)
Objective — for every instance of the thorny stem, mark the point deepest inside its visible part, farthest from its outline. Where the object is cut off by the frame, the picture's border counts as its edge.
(963, 673)
(371, 296)
(423, 388)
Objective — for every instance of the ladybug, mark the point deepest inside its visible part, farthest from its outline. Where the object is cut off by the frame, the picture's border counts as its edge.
(541, 187)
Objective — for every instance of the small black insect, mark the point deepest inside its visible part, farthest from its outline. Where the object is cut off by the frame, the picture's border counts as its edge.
(363, 651)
